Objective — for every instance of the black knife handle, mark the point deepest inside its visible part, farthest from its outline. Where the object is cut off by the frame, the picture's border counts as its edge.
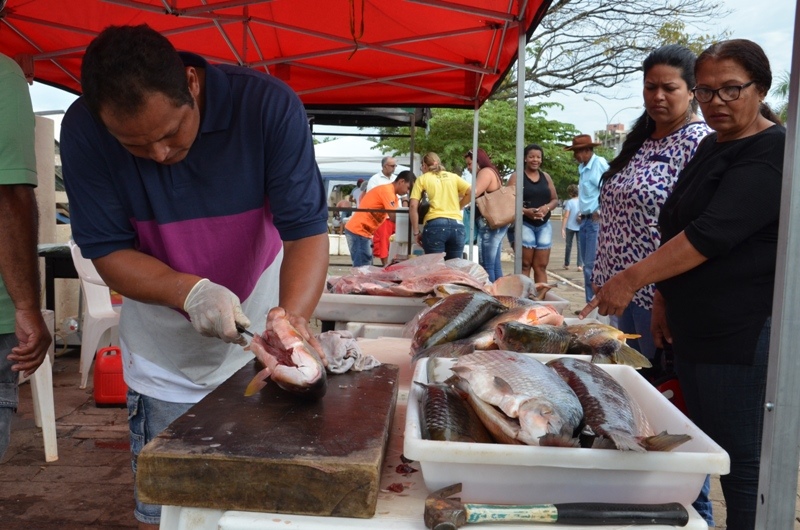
(600, 513)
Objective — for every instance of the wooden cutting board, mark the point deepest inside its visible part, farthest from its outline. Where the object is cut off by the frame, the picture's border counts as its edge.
(273, 452)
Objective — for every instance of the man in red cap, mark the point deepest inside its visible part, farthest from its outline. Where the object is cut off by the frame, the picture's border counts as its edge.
(590, 168)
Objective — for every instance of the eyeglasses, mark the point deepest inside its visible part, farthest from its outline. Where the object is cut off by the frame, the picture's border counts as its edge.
(392, 165)
(726, 93)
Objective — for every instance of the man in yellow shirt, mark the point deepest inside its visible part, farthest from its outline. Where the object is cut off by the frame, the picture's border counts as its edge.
(363, 224)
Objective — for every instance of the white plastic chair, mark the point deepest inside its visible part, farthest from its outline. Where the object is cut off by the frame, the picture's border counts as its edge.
(99, 316)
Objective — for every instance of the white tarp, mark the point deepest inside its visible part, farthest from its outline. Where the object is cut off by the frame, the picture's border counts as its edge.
(349, 158)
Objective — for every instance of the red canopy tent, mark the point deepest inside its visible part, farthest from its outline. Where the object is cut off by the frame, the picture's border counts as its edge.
(399, 53)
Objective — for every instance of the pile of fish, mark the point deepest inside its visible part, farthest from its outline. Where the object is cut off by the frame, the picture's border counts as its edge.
(431, 275)
(567, 403)
(462, 323)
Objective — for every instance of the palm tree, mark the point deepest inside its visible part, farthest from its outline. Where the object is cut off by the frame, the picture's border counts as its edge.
(781, 90)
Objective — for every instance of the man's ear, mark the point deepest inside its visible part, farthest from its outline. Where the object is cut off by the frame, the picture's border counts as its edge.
(193, 80)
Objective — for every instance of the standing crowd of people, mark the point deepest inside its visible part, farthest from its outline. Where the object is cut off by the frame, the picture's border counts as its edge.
(170, 163)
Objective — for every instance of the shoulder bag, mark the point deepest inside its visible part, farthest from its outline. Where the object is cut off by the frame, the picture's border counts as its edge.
(498, 207)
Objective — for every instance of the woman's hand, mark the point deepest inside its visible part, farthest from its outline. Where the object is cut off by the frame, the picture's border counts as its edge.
(612, 298)
(658, 323)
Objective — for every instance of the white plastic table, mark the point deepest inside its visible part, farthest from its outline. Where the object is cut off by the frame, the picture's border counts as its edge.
(395, 511)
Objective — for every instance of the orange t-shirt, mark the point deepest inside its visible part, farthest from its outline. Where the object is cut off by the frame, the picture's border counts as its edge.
(380, 198)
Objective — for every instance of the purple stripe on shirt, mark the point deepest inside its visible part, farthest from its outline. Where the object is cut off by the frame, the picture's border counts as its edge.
(206, 247)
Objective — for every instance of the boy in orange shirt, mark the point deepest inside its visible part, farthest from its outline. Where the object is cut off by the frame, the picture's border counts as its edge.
(363, 224)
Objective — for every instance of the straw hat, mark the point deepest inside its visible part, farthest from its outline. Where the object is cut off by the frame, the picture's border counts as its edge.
(580, 142)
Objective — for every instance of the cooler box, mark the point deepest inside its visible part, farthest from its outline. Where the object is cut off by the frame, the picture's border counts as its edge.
(109, 386)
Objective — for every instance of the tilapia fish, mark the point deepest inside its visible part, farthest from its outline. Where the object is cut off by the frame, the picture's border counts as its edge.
(523, 388)
(484, 337)
(609, 410)
(445, 415)
(453, 318)
(606, 344)
(289, 360)
(542, 338)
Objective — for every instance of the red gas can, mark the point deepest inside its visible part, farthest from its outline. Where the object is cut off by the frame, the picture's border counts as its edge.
(109, 386)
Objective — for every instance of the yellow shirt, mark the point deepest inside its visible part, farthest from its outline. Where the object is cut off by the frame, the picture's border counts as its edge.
(444, 190)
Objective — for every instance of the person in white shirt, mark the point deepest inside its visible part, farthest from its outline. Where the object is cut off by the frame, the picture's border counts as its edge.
(380, 240)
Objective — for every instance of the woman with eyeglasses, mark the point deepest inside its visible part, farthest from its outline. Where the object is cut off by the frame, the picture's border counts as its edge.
(715, 268)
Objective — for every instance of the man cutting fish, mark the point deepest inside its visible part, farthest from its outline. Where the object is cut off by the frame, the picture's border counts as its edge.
(194, 190)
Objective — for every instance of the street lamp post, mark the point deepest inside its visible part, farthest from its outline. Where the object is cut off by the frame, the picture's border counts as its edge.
(616, 137)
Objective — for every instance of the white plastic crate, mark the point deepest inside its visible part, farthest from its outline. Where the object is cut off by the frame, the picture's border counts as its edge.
(521, 474)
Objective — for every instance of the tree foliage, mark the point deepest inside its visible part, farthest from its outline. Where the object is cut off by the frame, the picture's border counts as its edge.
(585, 45)
(781, 90)
(449, 135)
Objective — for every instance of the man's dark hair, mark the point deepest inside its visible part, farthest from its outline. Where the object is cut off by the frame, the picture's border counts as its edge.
(125, 63)
(406, 175)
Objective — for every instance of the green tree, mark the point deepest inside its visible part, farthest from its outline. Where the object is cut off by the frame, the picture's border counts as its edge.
(584, 45)
(781, 90)
(449, 134)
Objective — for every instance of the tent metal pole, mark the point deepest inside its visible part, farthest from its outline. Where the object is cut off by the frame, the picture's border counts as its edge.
(474, 169)
(777, 485)
(520, 146)
(412, 128)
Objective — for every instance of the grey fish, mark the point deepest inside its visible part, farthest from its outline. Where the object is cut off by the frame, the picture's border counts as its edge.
(542, 338)
(609, 410)
(484, 337)
(445, 415)
(453, 318)
(606, 344)
(525, 389)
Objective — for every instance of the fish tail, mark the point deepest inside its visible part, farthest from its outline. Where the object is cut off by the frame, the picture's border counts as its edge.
(258, 382)
(630, 357)
(448, 349)
(564, 439)
(625, 442)
(629, 336)
(664, 441)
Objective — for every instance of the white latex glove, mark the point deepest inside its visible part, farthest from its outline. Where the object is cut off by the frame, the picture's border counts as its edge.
(214, 311)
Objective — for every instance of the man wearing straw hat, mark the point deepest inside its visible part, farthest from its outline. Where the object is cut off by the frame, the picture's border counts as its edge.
(590, 168)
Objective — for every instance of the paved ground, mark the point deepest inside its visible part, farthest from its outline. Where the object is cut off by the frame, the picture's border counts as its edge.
(90, 486)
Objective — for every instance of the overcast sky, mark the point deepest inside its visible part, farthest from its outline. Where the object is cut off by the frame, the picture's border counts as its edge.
(770, 23)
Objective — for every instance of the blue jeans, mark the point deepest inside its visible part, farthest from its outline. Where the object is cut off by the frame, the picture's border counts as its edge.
(491, 241)
(147, 417)
(444, 235)
(568, 235)
(9, 391)
(360, 248)
(587, 245)
(726, 401)
(536, 237)
(636, 320)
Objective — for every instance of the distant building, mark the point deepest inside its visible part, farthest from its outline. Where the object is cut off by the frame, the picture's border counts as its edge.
(612, 137)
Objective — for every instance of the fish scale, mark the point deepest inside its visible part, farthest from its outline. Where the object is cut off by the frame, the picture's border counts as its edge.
(453, 318)
(522, 388)
(608, 408)
(446, 416)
